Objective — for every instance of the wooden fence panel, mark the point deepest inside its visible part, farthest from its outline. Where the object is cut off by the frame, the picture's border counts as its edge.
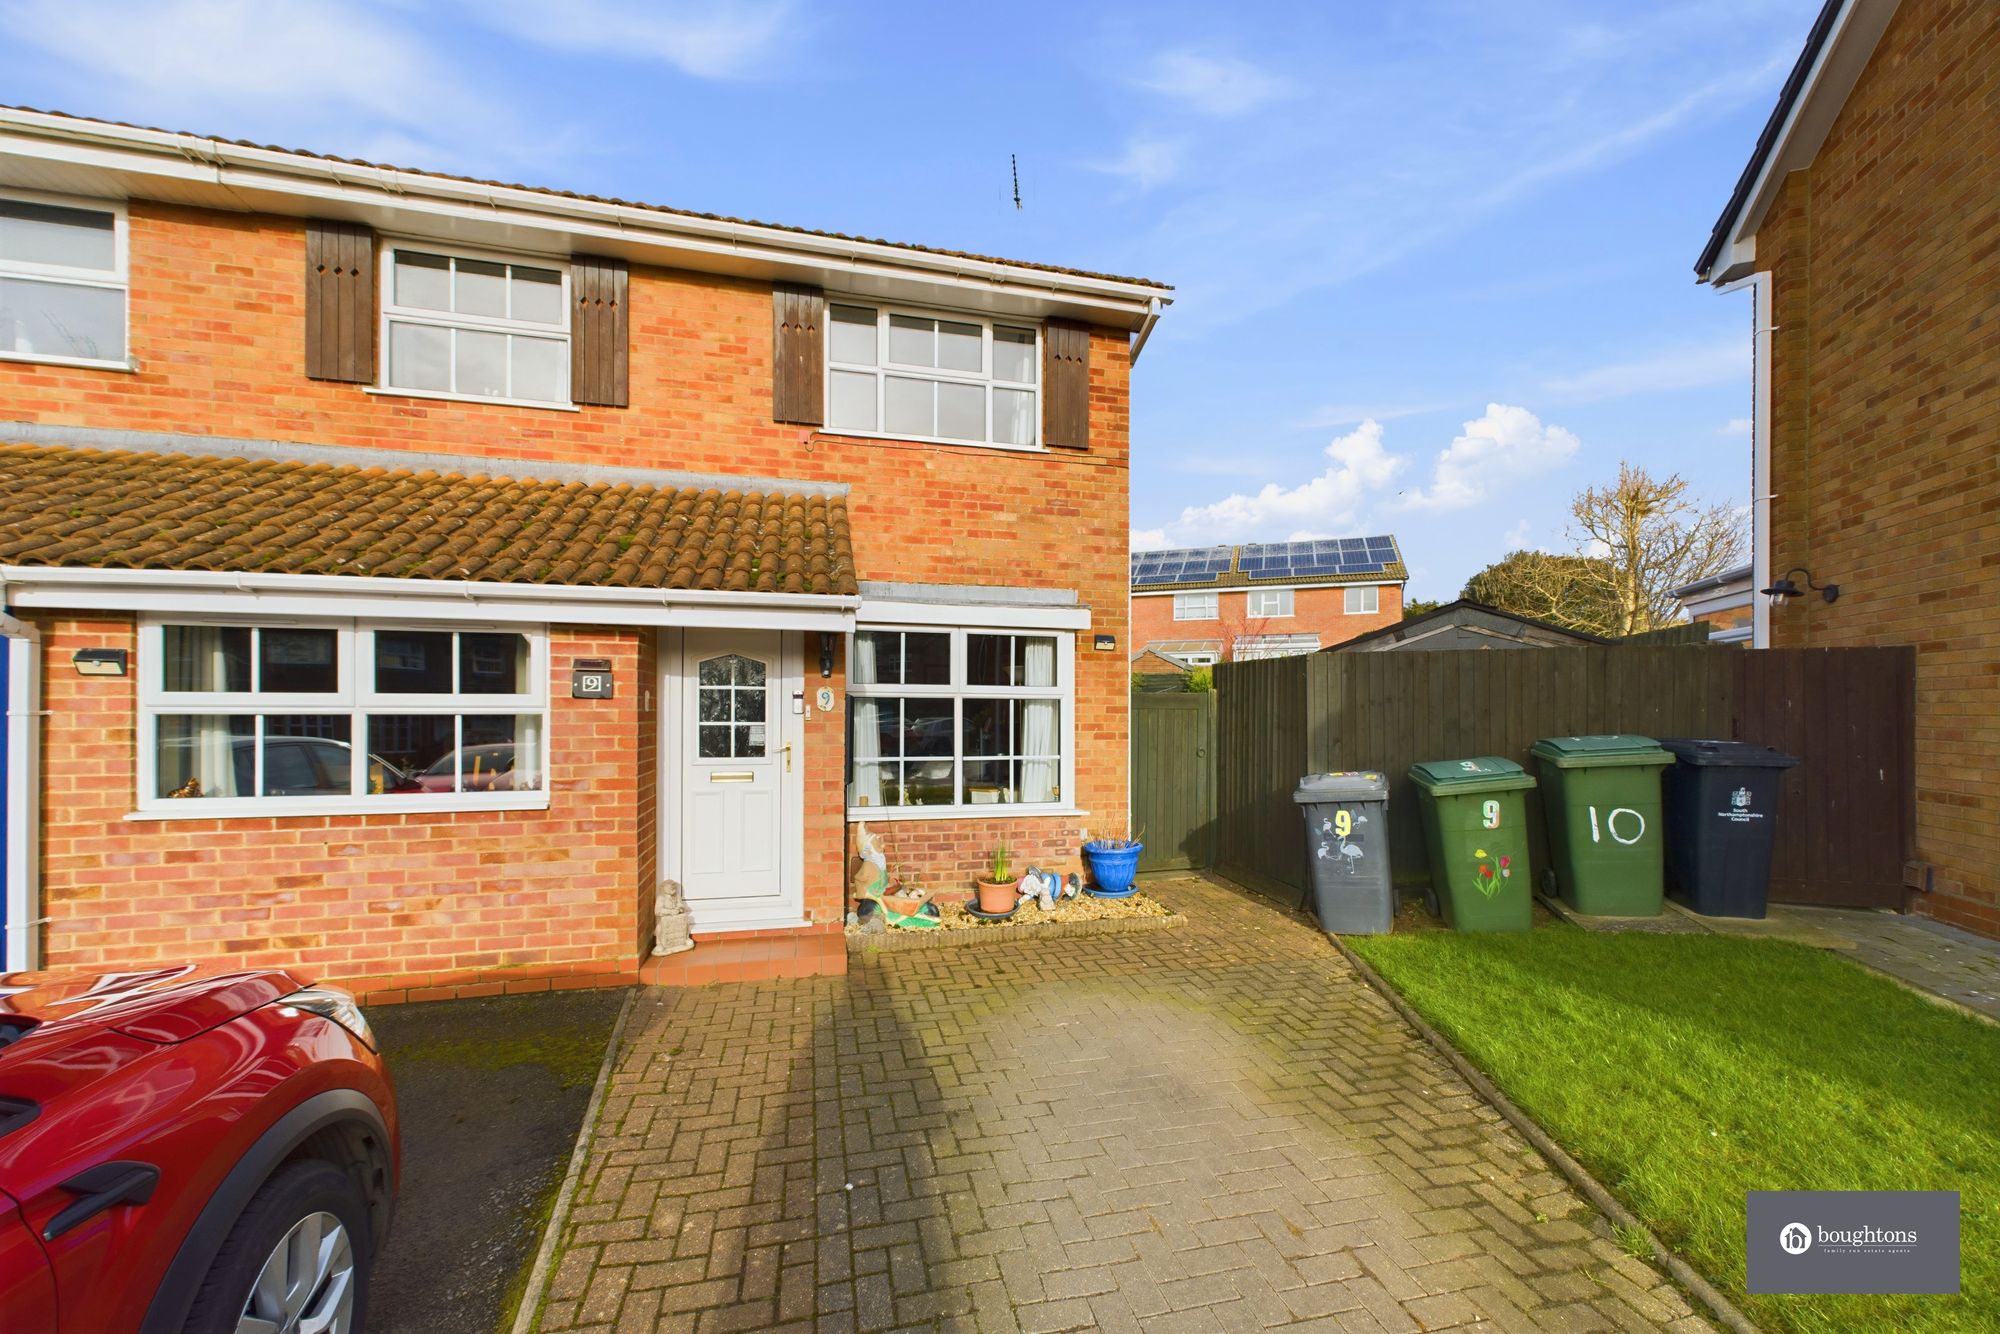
(1173, 779)
(1848, 819)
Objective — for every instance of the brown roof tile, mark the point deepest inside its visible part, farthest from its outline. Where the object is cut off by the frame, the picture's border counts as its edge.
(609, 199)
(117, 509)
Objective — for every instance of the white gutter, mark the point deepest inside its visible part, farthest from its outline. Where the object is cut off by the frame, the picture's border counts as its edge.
(236, 167)
(215, 593)
(1761, 329)
(20, 878)
(1145, 332)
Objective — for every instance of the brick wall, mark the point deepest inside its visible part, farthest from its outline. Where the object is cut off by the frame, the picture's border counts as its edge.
(217, 332)
(1320, 611)
(1886, 411)
(398, 906)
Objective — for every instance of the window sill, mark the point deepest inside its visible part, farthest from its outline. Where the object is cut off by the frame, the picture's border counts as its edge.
(79, 363)
(886, 437)
(433, 396)
(994, 811)
(282, 809)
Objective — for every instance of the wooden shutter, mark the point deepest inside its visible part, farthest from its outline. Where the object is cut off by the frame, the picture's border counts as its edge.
(1066, 385)
(598, 344)
(798, 355)
(340, 301)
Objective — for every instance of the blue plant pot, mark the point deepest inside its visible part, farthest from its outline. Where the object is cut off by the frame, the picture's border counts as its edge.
(1112, 869)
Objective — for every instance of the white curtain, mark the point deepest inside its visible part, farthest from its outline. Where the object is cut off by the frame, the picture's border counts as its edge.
(1041, 772)
(197, 756)
(867, 757)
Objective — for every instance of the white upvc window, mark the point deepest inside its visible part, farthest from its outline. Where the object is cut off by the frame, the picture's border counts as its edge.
(1361, 599)
(467, 325)
(925, 375)
(1270, 602)
(256, 717)
(1202, 659)
(960, 721)
(1196, 606)
(63, 270)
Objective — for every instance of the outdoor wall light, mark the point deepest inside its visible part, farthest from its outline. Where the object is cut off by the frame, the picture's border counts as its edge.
(1784, 588)
(825, 654)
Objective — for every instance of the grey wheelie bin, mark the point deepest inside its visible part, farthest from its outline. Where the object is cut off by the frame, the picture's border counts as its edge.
(1347, 851)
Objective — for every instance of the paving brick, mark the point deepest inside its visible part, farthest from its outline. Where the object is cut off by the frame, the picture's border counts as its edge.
(1230, 1132)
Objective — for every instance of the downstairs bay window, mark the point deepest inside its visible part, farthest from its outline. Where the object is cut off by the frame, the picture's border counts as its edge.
(271, 719)
(959, 721)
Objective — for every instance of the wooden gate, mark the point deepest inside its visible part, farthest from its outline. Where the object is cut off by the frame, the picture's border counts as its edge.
(1173, 778)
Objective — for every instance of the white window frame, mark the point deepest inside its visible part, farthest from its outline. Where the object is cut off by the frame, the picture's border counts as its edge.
(353, 697)
(1348, 600)
(119, 279)
(392, 314)
(958, 692)
(1200, 659)
(1198, 606)
(1283, 597)
(883, 369)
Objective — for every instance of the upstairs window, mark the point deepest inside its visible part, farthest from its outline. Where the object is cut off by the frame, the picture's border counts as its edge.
(1195, 606)
(1270, 602)
(1361, 600)
(62, 282)
(463, 326)
(919, 376)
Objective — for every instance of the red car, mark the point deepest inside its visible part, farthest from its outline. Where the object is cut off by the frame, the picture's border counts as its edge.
(185, 1149)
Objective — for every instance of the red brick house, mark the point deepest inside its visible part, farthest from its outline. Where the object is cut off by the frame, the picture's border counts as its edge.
(1204, 605)
(415, 572)
(1867, 223)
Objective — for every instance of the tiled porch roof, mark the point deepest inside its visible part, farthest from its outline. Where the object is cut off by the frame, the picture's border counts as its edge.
(115, 509)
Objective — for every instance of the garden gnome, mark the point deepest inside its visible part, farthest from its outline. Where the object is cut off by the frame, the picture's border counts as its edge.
(871, 871)
(670, 920)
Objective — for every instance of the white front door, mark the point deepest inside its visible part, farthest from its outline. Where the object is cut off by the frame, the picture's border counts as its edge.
(735, 753)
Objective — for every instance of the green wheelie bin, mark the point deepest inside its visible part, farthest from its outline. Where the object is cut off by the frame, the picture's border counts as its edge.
(1476, 831)
(1601, 795)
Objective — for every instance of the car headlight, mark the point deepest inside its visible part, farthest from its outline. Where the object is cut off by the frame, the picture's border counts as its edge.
(335, 1004)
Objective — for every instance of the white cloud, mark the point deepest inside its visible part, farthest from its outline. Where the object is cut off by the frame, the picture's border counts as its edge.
(1146, 163)
(1330, 502)
(1149, 539)
(1688, 366)
(1735, 426)
(1213, 85)
(1504, 445)
(217, 58)
(709, 39)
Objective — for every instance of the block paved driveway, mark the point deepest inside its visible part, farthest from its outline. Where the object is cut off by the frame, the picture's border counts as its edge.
(1215, 1127)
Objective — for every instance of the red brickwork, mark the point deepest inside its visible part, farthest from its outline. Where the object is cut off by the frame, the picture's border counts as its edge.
(398, 906)
(1320, 611)
(217, 335)
(1886, 411)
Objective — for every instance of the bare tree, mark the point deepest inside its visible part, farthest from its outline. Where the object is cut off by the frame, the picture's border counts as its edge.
(1570, 591)
(1653, 538)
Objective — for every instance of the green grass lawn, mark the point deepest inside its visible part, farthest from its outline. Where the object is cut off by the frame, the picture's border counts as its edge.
(1686, 1070)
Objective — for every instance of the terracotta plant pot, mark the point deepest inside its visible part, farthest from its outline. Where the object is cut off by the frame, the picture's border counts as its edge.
(998, 895)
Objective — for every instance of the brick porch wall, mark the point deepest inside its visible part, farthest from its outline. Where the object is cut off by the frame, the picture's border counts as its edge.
(1886, 412)
(396, 906)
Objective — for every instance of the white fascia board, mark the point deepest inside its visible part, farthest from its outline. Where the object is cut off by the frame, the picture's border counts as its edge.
(259, 177)
(291, 595)
(1838, 67)
(979, 615)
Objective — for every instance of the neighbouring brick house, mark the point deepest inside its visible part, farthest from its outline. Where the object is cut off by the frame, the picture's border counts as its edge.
(1204, 605)
(1868, 224)
(414, 572)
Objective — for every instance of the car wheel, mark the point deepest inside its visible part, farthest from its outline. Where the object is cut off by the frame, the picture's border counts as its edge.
(296, 1262)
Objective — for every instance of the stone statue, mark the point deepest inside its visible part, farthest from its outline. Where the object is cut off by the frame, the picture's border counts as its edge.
(670, 920)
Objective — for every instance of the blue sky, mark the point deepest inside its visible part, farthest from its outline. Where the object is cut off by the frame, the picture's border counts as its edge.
(1433, 256)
